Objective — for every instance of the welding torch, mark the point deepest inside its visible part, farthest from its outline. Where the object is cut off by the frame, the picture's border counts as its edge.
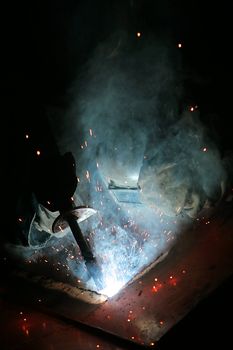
(59, 190)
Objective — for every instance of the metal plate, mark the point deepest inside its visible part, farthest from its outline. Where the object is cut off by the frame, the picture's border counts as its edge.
(127, 196)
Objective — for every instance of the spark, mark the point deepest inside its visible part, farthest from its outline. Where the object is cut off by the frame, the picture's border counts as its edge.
(191, 109)
(173, 282)
(139, 34)
(87, 175)
(26, 136)
(38, 152)
(179, 45)
(204, 149)
(157, 287)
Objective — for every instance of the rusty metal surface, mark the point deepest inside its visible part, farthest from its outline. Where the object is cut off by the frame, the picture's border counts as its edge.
(32, 329)
(147, 308)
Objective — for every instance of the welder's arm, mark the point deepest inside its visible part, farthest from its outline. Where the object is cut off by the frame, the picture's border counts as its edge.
(55, 181)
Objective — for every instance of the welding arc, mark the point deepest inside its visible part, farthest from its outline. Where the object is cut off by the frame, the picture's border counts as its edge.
(90, 261)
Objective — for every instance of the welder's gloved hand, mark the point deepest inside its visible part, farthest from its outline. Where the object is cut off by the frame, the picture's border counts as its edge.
(185, 174)
(41, 228)
(162, 189)
(53, 183)
(44, 219)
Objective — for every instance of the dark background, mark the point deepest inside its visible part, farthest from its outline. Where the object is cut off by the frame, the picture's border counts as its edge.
(44, 47)
(47, 43)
